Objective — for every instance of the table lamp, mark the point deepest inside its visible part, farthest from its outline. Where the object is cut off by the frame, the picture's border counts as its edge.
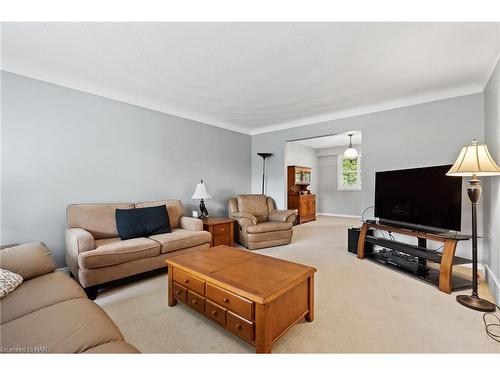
(201, 192)
(474, 160)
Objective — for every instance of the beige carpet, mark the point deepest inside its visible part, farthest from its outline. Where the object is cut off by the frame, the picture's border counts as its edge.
(361, 307)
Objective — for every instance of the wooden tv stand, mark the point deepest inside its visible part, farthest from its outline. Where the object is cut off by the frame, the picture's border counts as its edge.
(446, 280)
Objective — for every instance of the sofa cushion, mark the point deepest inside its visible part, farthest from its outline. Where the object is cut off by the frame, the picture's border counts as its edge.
(181, 239)
(269, 227)
(98, 219)
(174, 208)
(71, 326)
(115, 251)
(142, 222)
(28, 260)
(254, 204)
(38, 293)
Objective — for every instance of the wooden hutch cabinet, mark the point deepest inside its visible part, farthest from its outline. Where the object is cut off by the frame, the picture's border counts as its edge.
(299, 196)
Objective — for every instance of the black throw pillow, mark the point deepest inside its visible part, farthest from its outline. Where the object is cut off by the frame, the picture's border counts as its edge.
(142, 222)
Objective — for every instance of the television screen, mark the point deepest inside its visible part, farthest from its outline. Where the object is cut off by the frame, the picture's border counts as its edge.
(423, 197)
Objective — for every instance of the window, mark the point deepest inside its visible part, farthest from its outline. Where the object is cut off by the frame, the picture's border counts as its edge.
(349, 173)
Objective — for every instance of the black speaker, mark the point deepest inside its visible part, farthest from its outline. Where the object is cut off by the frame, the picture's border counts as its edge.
(352, 241)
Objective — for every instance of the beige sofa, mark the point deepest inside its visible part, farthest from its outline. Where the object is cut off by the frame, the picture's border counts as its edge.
(49, 312)
(95, 254)
(260, 224)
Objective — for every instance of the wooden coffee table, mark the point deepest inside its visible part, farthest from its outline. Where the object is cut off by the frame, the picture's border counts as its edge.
(254, 296)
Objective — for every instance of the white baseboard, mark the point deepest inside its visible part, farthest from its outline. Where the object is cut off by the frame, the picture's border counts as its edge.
(339, 215)
(493, 282)
(64, 269)
(480, 266)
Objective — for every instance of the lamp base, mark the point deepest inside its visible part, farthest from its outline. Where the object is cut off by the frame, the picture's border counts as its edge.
(203, 210)
(476, 303)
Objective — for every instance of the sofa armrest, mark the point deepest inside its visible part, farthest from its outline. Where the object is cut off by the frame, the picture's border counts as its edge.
(282, 215)
(78, 240)
(190, 223)
(244, 219)
(28, 260)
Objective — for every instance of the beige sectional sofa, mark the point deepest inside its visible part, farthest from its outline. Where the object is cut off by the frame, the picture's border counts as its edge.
(95, 254)
(49, 312)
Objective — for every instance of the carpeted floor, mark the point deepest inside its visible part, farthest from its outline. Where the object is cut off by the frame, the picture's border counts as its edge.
(361, 307)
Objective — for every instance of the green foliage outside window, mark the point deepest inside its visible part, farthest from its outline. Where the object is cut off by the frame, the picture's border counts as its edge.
(350, 172)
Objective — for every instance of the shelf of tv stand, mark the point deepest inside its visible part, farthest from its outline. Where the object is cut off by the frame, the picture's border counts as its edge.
(431, 276)
(444, 278)
(419, 252)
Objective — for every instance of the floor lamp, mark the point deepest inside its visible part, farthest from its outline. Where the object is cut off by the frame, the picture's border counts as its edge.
(263, 155)
(474, 161)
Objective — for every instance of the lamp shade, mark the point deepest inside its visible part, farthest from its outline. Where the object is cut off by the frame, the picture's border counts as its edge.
(474, 160)
(351, 153)
(201, 191)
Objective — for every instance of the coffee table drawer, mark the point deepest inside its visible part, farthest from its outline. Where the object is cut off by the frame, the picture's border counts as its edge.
(240, 326)
(239, 305)
(180, 292)
(196, 301)
(215, 312)
(189, 281)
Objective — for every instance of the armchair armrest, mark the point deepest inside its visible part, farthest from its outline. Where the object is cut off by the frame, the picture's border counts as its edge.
(244, 219)
(190, 223)
(28, 260)
(282, 215)
(77, 241)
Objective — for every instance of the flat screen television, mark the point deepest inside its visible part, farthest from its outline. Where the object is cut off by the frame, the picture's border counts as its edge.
(419, 198)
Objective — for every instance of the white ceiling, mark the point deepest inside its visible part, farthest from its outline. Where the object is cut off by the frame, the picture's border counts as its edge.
(328, 141)
(257, 77)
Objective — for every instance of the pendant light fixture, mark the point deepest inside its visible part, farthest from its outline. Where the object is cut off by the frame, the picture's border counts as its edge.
(351, 153)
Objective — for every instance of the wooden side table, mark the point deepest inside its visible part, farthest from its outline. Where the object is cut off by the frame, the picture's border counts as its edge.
(221, 229)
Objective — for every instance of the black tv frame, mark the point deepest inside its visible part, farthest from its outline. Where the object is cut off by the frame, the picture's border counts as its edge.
(416, 226)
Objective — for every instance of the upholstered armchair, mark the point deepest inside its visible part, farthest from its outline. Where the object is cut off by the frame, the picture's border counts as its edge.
(260, 224)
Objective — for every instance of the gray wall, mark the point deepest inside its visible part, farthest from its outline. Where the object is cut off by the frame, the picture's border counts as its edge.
(61, 146)
(491, 185)
(303, 156)
(330, 199)
(421, 135)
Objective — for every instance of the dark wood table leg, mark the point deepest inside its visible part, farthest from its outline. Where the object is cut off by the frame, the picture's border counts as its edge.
(171, 300)
(263, 340)
(231, 233)
(310, 302)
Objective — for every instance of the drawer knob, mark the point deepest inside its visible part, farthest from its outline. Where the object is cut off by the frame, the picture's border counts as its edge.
(214, 313)
(238, 326)
(186, 281)
(195, 301)
(222, 229)
(226, 300)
